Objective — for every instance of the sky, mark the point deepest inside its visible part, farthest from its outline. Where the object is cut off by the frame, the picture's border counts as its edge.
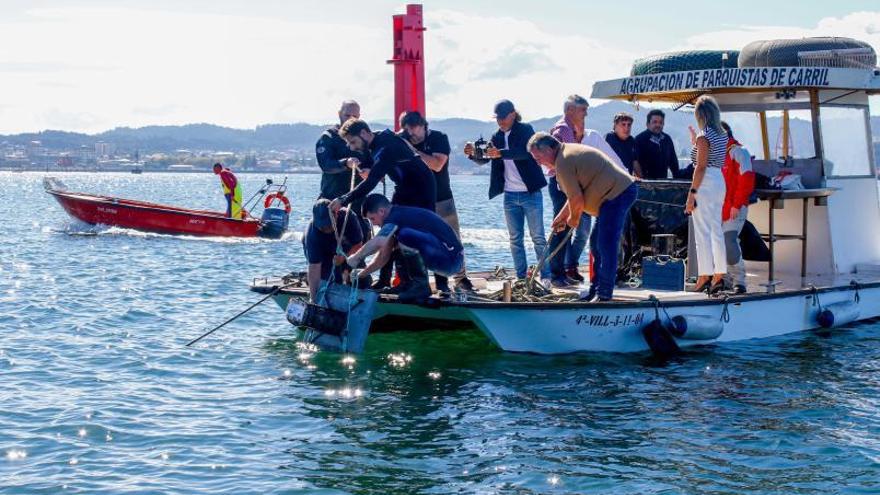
(93, 65)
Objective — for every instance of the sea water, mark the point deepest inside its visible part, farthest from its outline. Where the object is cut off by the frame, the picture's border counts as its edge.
(98, 393)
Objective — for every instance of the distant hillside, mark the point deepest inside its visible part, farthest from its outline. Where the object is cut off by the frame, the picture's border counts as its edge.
(303, 136)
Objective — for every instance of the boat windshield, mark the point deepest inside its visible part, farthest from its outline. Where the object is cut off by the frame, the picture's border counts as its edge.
(846, 140)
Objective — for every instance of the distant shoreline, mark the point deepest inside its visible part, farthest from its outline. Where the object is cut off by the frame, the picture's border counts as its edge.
(193, 172)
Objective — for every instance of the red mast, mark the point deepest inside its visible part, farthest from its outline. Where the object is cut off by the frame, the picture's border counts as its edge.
(409, 62)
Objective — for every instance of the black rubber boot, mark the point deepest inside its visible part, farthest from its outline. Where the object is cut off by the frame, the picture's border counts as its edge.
(465, 285)
(384, 281)
(441, 283)
(402, 274)
(417, 289)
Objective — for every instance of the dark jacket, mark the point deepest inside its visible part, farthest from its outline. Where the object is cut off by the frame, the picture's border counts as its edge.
(528, 168)
(390, 156)
(656, 158)
(332, 152)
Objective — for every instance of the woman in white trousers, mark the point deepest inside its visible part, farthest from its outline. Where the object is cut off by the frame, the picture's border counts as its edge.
(706, 197)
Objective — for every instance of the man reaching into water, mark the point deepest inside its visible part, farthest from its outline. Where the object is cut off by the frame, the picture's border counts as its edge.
(424, 240)
(231, 190)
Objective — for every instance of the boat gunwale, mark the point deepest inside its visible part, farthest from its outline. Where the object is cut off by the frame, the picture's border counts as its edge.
(495, 305)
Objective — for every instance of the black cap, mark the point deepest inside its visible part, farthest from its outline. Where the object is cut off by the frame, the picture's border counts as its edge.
(503, 109)
(321, 214)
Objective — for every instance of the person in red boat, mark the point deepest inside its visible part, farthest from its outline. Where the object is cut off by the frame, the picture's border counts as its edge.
(231, 189)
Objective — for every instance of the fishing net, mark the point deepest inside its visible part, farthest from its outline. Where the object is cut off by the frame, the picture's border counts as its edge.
(521, 291)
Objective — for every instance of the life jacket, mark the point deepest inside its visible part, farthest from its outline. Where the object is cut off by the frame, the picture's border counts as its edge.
(228, 181)
(739, 178)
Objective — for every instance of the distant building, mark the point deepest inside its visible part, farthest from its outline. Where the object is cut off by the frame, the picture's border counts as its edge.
(35, 149)
(104, 150)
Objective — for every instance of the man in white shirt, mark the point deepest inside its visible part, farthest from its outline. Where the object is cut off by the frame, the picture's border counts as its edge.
(517, 176)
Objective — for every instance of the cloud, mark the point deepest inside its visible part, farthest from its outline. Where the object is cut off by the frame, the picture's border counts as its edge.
(472, 61)
(58, 119)
(48, 67)
(864, 26)
(157, 111)
(176, 68)
(88, 69)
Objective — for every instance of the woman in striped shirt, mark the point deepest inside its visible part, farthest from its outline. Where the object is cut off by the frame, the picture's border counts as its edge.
(706, 197)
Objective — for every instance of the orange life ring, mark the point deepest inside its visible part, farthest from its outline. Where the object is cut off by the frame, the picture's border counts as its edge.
(279, 196)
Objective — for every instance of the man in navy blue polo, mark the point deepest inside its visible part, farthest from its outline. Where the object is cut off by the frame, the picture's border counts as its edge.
(424, 240)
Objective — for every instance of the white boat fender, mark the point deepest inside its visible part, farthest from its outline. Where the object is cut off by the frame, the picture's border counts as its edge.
(837, 314)
(657, 335)
(696, 327)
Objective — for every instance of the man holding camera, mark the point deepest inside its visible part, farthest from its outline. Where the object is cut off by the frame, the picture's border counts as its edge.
(516, 174)
(433, 148)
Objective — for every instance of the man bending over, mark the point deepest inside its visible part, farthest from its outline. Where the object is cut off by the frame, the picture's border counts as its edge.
(424, 240)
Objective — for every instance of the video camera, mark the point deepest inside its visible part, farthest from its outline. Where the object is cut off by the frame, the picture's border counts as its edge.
(481, 146)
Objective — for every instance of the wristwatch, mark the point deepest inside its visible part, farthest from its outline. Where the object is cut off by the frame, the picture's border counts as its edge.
(693, 191)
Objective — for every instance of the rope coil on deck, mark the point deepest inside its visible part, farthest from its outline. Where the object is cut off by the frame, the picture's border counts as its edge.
(521, 291)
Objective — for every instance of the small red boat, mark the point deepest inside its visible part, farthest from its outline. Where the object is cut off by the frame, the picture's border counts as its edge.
(152, 217)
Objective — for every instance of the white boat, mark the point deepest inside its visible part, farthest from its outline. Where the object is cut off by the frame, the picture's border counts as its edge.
(824, 239)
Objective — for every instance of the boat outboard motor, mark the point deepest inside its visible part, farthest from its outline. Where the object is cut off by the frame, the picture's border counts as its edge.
(696, 327)
(837, 314)
(275, 221)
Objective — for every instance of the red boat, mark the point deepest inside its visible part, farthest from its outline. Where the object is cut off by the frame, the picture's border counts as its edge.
(152, 217)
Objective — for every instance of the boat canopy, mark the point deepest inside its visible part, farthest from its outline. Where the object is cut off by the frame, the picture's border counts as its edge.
(834, 101)
(755, 86)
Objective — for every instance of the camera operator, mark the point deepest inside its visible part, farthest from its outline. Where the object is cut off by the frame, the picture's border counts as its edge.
(516, 174)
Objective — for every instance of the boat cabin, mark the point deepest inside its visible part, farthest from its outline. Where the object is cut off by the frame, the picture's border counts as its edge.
(831, 225)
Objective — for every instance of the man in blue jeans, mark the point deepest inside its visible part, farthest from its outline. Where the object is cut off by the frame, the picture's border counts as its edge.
(520, 178)
(595, 185)
(571, 128)
(424, 240)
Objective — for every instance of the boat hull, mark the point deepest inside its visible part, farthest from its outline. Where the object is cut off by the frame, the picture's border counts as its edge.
(394, 316)
(617, 327)
(570, 327)
(150, 217)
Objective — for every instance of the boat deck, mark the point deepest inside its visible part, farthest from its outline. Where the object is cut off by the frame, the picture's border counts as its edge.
(756, 281)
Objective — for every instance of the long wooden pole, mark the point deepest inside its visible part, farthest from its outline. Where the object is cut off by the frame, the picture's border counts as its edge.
(815, 117)
(765, 138)
(785, 134)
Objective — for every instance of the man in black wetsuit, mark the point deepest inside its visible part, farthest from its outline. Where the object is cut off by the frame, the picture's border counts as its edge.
(388, 155)
(333, 157)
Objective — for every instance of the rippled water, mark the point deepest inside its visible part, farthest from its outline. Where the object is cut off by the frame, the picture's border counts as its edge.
(99, 395)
